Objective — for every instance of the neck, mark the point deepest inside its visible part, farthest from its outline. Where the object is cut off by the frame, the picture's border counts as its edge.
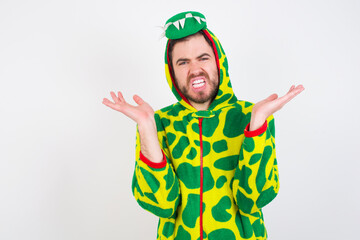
(200, 106)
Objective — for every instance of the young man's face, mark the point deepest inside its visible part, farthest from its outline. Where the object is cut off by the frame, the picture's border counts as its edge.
(195, 70)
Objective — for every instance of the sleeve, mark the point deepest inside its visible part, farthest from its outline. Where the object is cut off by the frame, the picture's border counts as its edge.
(155, 186)
(256, 179)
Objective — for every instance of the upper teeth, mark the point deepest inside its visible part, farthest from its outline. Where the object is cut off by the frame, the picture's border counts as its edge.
(198, 81)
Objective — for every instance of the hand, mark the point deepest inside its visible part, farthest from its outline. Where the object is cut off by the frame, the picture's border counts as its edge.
(140, 114)
(265, 108)
(143, 115)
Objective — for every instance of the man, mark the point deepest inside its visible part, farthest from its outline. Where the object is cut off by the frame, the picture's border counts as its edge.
(205, 165)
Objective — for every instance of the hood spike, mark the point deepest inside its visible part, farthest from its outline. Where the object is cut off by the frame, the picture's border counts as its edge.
(176, 24)
(197, 19)
(182, 22)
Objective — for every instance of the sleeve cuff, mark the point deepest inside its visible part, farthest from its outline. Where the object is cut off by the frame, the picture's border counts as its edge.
(256, 132)
(153, 164)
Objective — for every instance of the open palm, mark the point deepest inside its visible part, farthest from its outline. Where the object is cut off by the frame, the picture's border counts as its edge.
(142, 112)
(273, 103)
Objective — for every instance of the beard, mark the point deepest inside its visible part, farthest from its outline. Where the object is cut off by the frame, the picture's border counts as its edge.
(200, 97)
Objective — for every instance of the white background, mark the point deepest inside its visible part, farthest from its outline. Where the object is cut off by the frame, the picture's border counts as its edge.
(66, 160)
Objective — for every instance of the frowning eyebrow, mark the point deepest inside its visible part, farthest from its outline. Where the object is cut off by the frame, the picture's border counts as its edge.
(187, 59)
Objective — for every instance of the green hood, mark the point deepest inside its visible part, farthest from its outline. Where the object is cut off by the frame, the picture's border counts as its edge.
(185, 24)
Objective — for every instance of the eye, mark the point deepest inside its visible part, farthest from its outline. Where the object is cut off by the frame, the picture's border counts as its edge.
(204, 58)
(182, 63)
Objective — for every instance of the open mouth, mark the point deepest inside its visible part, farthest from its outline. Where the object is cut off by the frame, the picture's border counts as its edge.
(198, 83)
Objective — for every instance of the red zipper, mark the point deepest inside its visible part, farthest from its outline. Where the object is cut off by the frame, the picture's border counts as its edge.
(201, 179)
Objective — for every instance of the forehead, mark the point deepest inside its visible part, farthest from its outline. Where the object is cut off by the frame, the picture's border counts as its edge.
(192, 48)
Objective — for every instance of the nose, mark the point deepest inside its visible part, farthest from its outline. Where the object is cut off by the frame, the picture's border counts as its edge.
(195, 68)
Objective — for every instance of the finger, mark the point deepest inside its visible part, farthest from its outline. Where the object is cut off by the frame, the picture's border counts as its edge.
(108, 103)
(121, 97)
(291, 88)
(138, 99)
(272, 97)
(300, 87)
(105, 100)
(297, 90)
(114, 97)
(290, 95)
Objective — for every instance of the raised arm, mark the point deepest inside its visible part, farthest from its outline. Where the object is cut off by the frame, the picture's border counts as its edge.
(256, 180)
(267, 107)
(143, 115)
(155, 185)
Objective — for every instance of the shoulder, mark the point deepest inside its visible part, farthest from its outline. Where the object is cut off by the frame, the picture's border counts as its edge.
(164, 116)
(171, 110)
(245, 106)
(247, 109)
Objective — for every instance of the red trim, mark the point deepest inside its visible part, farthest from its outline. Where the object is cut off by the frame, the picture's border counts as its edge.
(215, 50)
(154, 164)
(201, 178)
(169, 65)
(256, 132)
(172, 79)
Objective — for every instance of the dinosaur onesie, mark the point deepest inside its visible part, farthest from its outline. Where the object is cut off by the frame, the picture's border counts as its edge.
(216, 175)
